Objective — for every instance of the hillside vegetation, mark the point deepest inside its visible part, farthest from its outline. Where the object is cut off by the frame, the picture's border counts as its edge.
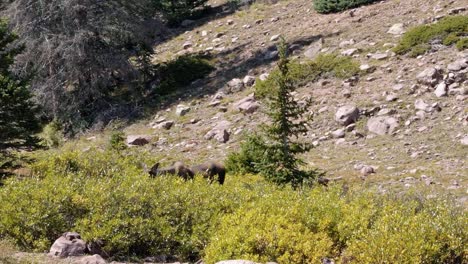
(107, 196)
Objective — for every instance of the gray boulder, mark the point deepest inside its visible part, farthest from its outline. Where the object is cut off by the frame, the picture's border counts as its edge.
(313, 50)
(235, 85)
(68, 245)
(247, 105)
(182, 110)
(382, 125)
(397, 29)
(430, 76)
(219, 132)
(347, 114)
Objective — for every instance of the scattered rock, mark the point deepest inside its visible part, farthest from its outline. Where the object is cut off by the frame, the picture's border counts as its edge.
(367, 170)
(165, 125)
(391, 97)
(274, 37)
(187, 45)
(263, 76)
(430, 76)
(382, 125)
(182, 110)
(235, 85)
(339, 133)
(398, 87)
(379, 56)
(248, 80)
(458, 65)
(247, 105)
(345, 43)
(441, 90)
(94, 259)
(347, 114)
(464, 140)
(68, 245)
(397, 29)
(367, 68)
(219, 132)
(138, 140)
(349, 52)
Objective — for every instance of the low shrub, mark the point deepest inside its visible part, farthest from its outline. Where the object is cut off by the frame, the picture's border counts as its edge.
(117, 140)
(332, 6)
(52, 135)
(107, 196)
(181, 72)
(325, 65)
(449, 30)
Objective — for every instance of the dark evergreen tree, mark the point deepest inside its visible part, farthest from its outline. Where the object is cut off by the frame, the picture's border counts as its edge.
(18, 121)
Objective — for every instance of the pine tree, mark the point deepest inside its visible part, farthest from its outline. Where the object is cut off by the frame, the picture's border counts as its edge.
(280, 163)
(18, 120)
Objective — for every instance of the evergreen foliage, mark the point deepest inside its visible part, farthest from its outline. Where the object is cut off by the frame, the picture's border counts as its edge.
(276, 150)
(332, 6)
(18, 121)
(177, 10)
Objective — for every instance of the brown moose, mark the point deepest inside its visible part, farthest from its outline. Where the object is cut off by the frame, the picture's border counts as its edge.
(208, 170)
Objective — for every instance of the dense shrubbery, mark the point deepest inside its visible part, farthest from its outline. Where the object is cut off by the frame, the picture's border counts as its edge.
(331, 6)
(177, 10)
(181, 72)
(325, 65)
(107, 196)
(450, 30)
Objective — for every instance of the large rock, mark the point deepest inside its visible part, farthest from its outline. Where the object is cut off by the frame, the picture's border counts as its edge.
(68, 245)
(430, 76)
(397, 29)
(441, 90)
(248, 80)
(182, 110)
(235, 85)
(138, 140)
(382, 125)
(458, 65)
(219, 132)
(247, 105)
(94, 259)
(347, 114)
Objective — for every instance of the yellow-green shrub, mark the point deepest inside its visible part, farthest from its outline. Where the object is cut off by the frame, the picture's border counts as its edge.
(325, 65)
(107, 195)
(271, 229)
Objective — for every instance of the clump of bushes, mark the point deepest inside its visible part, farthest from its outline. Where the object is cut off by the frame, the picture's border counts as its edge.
(181, 72)
(300, 73)
(108, 196)
(449, 30)
(332, 6)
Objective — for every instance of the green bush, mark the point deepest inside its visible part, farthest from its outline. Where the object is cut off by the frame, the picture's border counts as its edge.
(462, 44)
(117, 140)
(181, 72)
(332, 6)
(176, 11)
(449, 30)
(52, 135)
(325, 65)
(108, 196)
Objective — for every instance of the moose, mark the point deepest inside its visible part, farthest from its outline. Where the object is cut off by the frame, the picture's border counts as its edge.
(208, 170)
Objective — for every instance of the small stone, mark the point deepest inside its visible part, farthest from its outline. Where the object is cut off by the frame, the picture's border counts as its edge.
(367, 68)
(441, 90)
(165, 125)
(430, 76)
(379, 56)
(235, 85)
(397, 87)
(230, 22)
(248, 80)
(397, 29)
(391, 97)
(349, 52)
(464, 140)
(263, 76)
(339, 133)
(204, 33)
(274, 37)
(367, 170)
(382, 125)
(182, 110)
(247, 105)
(187, 45)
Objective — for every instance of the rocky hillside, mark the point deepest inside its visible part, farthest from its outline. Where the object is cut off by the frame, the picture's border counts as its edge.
(402, 123)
